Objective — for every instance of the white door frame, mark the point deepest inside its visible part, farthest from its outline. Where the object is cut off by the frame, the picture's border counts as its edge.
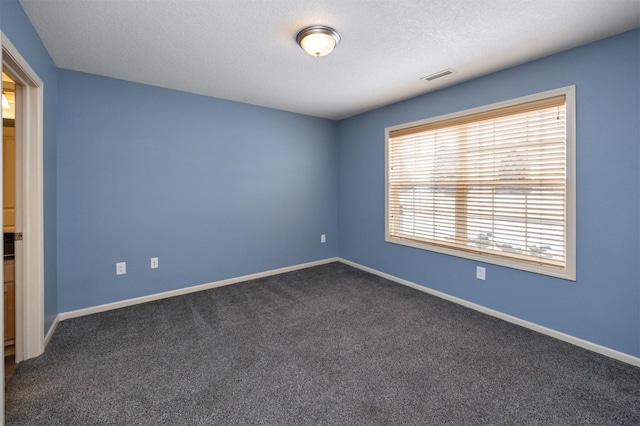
(29, 271)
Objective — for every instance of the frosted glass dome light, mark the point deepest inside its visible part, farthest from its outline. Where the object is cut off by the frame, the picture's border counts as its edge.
(318, 40)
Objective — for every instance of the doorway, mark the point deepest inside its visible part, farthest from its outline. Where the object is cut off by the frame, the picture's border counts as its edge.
(29, 217)
(9, 220)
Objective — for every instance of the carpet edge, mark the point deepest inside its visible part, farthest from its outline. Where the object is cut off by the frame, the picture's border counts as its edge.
(585, 344)
(186, 290)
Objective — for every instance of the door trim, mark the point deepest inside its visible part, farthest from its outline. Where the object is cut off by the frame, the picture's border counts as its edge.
(29, 193)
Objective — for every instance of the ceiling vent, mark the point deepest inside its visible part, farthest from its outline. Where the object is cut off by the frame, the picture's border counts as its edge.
(438, 74)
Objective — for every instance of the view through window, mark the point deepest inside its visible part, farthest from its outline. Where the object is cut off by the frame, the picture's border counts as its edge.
(491, 184)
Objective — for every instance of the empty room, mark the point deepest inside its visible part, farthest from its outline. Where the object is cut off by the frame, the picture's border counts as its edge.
(333, 212)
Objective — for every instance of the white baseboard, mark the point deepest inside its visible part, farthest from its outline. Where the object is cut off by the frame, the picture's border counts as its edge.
(172, 293)
(620, 356)
(47, 337)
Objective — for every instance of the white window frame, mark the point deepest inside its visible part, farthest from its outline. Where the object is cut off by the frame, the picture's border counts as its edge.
(569, 272)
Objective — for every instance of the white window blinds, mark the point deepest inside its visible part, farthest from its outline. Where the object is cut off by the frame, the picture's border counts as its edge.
(493, 183)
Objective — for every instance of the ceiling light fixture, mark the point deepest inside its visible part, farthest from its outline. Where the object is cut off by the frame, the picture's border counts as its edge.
(318, 40)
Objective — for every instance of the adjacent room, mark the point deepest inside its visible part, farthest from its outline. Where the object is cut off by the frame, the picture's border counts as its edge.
(330, 212)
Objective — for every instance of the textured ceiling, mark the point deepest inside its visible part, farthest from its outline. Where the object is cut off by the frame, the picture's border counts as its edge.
(245, 50)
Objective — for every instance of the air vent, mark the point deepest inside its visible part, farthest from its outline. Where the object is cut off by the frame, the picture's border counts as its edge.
(438, 74)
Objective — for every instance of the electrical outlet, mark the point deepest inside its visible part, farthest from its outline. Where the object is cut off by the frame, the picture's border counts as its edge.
(323, 238)
(121, 268)
(154, 262)
(480, 273)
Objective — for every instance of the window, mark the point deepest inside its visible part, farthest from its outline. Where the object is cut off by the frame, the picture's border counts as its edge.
(494, 184)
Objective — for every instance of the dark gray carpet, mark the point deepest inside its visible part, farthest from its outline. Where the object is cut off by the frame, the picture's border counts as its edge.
(326, 345)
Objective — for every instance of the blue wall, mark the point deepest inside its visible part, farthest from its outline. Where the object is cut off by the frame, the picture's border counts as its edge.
(18, 29)
(603, 305)
(215, 189)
